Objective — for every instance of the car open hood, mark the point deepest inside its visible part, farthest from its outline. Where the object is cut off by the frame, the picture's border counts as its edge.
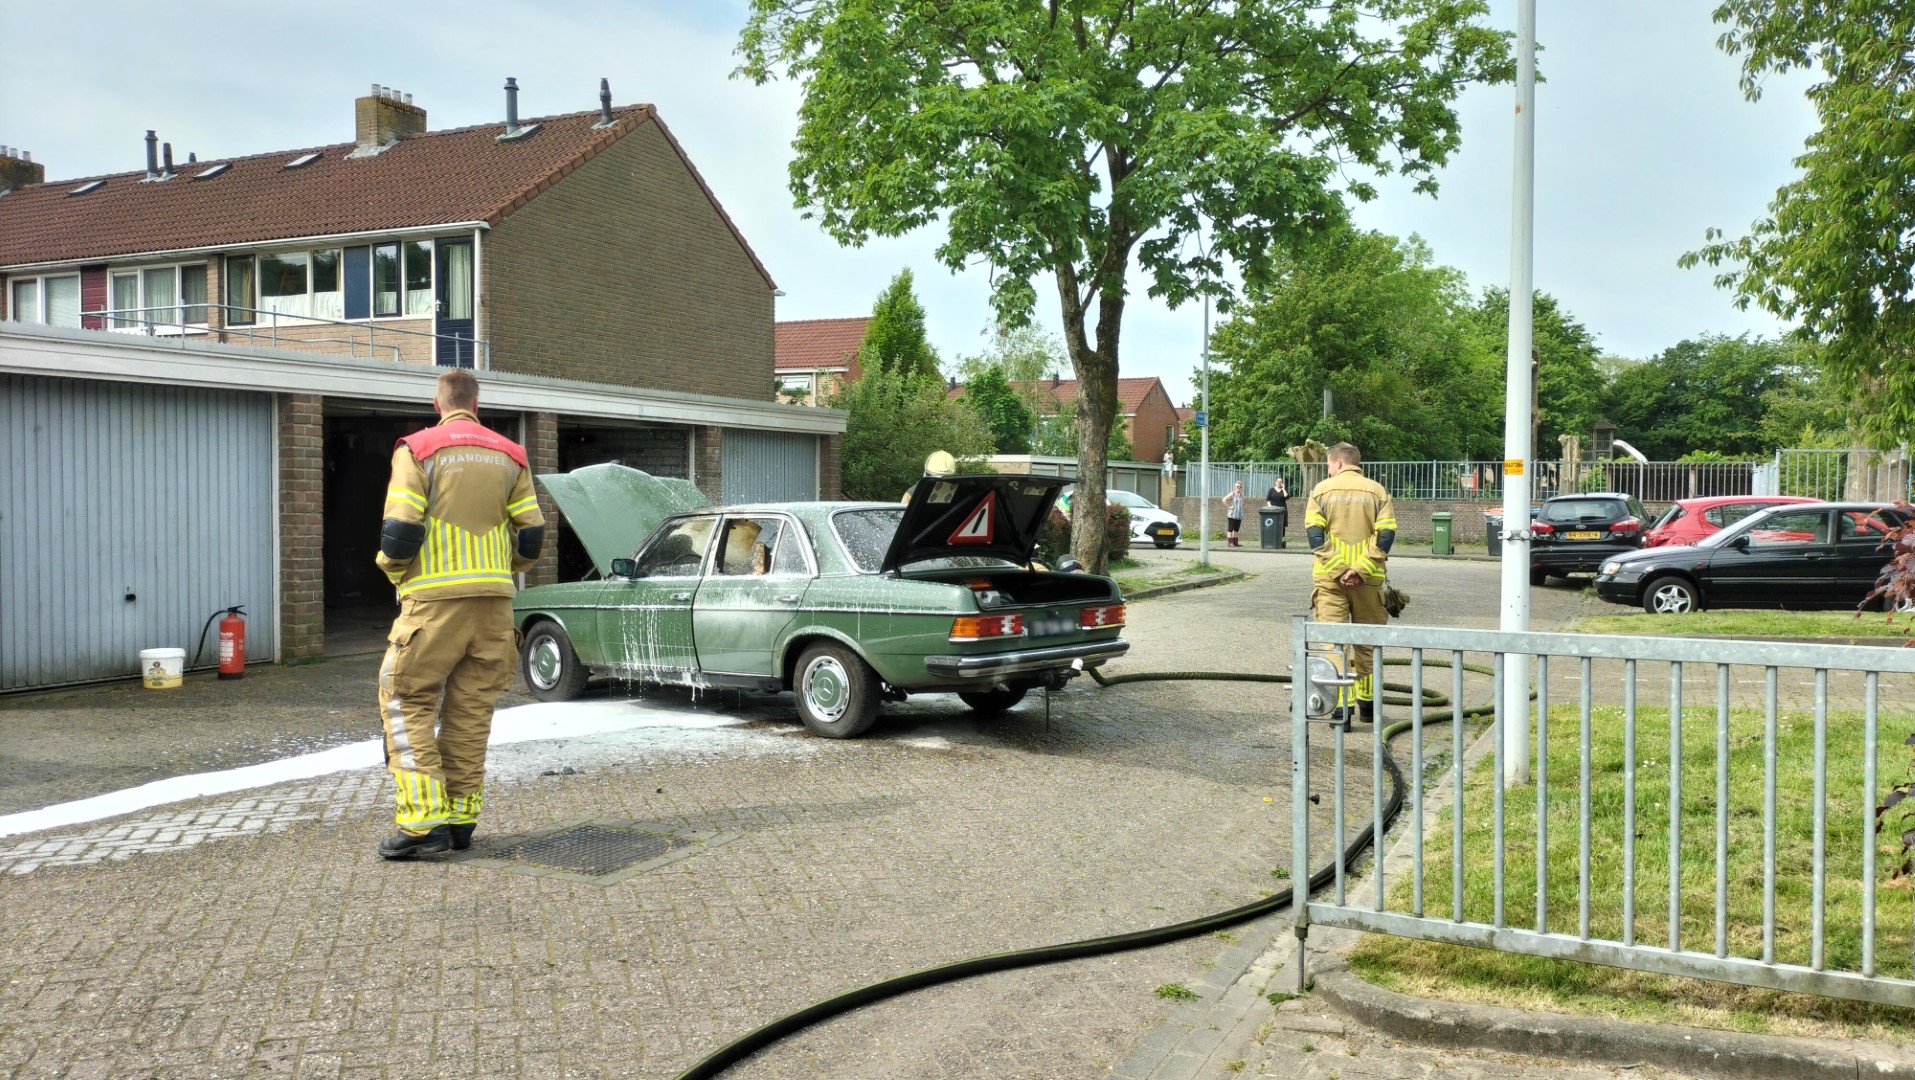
(994, 515)
(612, 509)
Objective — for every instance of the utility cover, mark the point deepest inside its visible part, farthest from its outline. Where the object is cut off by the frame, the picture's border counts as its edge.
(612, 509)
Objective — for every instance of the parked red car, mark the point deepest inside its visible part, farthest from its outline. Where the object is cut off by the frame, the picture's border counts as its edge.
(1689, 520)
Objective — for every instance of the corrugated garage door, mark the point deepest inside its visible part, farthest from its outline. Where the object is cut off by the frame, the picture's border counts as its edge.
(770, 466)
(128, 514)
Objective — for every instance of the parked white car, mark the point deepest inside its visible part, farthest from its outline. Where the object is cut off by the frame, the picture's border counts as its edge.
(1149, 523)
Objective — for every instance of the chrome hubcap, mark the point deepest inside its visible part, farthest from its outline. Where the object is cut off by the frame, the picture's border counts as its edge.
(546, 663)
(826, 688)
(1672, 599)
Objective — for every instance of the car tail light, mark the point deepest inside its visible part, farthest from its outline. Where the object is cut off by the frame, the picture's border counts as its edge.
(1627, 525)
(1093, 618)
(1542, 528)
(982, 627)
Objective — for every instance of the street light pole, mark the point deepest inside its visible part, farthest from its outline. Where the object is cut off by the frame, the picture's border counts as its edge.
(1203, 468)
(1517, 402)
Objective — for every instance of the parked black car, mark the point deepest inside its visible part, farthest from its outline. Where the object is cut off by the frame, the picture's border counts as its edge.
(1576, 534)
(1799, 557)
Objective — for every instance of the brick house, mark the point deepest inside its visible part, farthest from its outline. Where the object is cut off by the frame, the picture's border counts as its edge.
(1143, 408)
(817, 357)
(269, 324)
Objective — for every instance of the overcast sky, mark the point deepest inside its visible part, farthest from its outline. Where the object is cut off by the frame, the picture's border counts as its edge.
(1643, 138)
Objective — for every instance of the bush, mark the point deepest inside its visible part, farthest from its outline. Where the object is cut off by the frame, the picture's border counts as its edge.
(1117, 530)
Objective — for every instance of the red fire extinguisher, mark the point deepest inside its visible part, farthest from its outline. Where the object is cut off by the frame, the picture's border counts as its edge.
(232, 643)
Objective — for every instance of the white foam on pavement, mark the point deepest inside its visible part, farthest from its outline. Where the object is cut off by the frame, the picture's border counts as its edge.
(542, 722)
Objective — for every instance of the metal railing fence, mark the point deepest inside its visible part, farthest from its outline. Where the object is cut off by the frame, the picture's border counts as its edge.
(1822, 474)
(257, 326)
(1779, 888)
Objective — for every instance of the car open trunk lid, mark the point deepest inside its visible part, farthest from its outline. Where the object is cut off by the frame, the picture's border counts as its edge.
(991, 515)
(612, 509)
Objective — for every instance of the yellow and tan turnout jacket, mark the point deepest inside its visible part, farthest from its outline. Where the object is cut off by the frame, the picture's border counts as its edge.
(1351, 509)
(471, 489)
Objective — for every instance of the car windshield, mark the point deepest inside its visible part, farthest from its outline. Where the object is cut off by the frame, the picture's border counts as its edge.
(1131, 499)
(1573, 510)
(866, 535)
(1669, 516)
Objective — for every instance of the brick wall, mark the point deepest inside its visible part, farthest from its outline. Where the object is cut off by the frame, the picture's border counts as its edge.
(624, 272)
(708, 462)
(542, 453)
(302, 579)
(1146, 430)
(831, 467)
(331, 340)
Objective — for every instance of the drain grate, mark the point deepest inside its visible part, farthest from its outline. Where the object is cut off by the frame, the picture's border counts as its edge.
(592, 849)
(601, 852)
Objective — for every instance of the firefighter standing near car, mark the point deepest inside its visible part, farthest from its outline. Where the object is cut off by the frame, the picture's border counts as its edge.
(461, 519)
(1351, 524)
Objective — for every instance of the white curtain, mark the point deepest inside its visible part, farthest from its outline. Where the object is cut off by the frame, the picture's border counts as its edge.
(162, 297)
(25, 307)
(63, 301)
(126, 296)
(458, 281)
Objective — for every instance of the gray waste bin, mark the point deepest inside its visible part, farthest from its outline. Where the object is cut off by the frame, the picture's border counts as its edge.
(1274, 519)
(1493, 531)
(1440, 533)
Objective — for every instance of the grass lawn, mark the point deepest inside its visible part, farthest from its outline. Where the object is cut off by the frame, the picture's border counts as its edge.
(1465, 974)
(1130, 580)
(1792, 624)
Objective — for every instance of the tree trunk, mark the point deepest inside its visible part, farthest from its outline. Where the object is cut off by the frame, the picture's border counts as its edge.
(1096, 371)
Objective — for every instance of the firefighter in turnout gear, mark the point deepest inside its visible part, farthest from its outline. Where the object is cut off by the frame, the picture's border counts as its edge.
(1351, 523)
(461, 519)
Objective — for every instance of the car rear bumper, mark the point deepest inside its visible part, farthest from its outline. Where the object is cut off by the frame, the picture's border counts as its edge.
(993, 665)
(1576, 558)
(1158, 532)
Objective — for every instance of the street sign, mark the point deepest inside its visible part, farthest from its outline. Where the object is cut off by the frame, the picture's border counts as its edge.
(1202, 418)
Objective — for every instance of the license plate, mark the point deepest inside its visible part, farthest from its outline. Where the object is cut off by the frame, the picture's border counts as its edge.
(1054, 625)
(1162, 530)
(1582, 536)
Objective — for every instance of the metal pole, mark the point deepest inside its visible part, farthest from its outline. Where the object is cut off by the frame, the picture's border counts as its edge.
(1203, 468)
(1517, 451)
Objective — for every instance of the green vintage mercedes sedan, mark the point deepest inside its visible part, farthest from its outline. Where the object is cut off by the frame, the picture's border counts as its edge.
(844, 604)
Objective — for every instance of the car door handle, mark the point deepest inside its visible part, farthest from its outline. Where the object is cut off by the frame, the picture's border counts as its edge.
(790, 598)
(681, 596)
(1814, 555)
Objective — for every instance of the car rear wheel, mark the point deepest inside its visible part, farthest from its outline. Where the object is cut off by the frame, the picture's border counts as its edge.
(551, 669)
(996, 701)
(837, 692)
(1669, 596)
(1538, 577)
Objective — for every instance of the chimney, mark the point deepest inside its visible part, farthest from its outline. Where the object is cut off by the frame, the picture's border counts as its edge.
(605, 104)
(512, 129)
(166, 161)
(152, 155)
(1055, 380)
(18, 169)
(382, 118)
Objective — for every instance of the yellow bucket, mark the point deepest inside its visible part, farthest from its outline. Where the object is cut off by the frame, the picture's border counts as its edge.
(162, 669)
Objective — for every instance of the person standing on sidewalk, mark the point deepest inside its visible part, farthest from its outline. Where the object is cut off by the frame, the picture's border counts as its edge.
(461, 519)
(1279, 497)
(1233, 514)
(1351, 524)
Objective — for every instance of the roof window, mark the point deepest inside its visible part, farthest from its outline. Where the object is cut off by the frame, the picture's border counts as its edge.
(208, 174)
(303, 159)
(90, 185)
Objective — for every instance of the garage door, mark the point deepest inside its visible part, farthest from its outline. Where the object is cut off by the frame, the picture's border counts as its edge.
(128, 514)
(770, 466)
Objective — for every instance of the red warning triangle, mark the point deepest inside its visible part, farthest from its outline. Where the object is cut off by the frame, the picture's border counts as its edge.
(981, 526)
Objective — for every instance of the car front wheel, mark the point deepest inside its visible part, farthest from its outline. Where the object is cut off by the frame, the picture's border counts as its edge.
(837, 692)
(1669, 596)
(551, 669)
(994, 702)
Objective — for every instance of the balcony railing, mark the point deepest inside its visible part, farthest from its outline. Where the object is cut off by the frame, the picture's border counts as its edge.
(306, 333)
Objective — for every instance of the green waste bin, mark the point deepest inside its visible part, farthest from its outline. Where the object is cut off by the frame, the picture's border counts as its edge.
(1440, 533)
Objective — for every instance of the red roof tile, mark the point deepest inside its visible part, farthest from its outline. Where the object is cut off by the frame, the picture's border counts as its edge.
(810, 344)
(434, 178)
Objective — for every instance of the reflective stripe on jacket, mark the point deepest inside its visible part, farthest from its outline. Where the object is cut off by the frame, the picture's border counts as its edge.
(472, 496)
(1350, 508)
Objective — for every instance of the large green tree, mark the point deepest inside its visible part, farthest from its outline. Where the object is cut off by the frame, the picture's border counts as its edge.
(894, 339)
(896, 420)
(992, 397)
(1836, 253)
(1370, 319)
(1568, 383)
(1705, 394)
(1074, 140)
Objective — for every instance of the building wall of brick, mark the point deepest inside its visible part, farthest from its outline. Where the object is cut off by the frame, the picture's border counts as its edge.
(624, 272)
(542, 453)
(831, 467)
(364, 341)
(1146, 427)
(708, 462)
(302, 578)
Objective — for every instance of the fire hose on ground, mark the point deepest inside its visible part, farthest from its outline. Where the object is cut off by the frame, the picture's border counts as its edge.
(744, 1047)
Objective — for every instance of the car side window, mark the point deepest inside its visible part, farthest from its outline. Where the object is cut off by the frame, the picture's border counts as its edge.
(1731, 513)
(747, 547)
(789, 557)
(1800, 527)
(679, 551)
(1718, 516)
(1867, 527)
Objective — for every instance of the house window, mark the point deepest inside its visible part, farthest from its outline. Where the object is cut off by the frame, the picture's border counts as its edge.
(24, 307)
(52, 301)
(157, 299)
(418, 277)
(385, 280)
(328, 301)
(282, 284)
(797, 387)
(239, 290)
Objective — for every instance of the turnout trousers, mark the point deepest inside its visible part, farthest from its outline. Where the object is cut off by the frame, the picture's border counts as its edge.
(447, 662)
(1331, 602)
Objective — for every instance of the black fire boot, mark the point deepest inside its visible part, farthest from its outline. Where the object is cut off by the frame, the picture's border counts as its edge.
(405, 845)
(462, 835)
